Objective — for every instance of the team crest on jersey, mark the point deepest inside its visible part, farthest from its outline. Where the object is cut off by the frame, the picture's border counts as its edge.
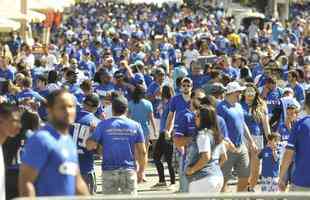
(68, 168)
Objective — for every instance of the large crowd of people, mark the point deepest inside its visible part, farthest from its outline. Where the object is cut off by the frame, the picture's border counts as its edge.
(127, 83)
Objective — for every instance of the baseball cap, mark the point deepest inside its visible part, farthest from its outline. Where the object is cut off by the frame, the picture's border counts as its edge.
(187, 79)
(92, 100)
(234, 87)
(217, 88)
(289, 90)
(138, 78)
(293, 104)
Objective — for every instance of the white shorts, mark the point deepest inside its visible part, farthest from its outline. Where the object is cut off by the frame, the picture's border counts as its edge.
(154, 136)
(209, 184)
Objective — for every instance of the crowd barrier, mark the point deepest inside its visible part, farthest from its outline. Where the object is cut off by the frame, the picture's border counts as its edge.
(224, 196)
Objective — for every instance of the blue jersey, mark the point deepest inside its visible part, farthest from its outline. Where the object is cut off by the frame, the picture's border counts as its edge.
(271, 163)
(54, 157)
(7, 74)
(151, 91)
(232, 72)
(251, 122)
(184, 125)
(273, 98)
(299, 141)
(118, 136)
(29, 94)
(88, 67)
(284, 132)
(164, 111)
(81, 131)
(299, 93)
(178, 104)
(102, 90)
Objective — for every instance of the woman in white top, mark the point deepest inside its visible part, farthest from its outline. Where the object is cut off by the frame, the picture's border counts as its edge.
(205, 154)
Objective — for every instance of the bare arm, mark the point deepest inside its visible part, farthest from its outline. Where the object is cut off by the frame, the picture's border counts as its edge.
(81, 187)
(181, 142)
(170, 121)
(141, 157)
(204, 158)
(152, 119)
(248, 136)
(91, 145)
(265, 123)
(229, 145)
(26, 179)
(286, 161)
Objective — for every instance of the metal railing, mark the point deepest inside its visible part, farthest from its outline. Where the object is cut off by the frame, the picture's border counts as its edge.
(220, 196)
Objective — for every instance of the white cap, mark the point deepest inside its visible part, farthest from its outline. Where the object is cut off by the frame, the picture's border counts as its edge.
(234, 87)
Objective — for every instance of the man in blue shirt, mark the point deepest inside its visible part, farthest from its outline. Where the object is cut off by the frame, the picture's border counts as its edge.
(82, 129)
(179, 103)
(87, 66)
(28, 93)
(271, 93)
(106, 85)
(230, 71)
(298, 89)
(50, 162)
(298, 145)
(232, 112)
(123, 145)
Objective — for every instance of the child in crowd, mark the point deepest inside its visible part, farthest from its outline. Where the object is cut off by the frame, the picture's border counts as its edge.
(271, 164)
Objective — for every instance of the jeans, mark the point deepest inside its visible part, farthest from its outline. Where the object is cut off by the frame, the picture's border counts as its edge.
(121, 181)
(183, 179)
(164, 148)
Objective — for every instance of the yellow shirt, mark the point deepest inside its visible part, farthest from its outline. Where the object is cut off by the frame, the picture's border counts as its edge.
(234, 39)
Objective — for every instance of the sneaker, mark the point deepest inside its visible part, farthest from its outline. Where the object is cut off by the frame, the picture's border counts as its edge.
(158, 185)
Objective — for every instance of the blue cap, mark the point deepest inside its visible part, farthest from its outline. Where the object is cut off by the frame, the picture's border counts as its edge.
(138, 79)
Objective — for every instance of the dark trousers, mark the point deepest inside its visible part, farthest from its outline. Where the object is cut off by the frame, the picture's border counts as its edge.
(164, 148)
(11, 183)
(90, 180)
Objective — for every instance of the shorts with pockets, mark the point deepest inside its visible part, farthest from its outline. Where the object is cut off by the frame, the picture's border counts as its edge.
(240, 162)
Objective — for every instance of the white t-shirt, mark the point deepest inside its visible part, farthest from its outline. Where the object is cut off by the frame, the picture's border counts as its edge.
(29, 60)
(204, 145)
(2, 176)
(190, 55)
(108, 112)
(287, 48)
